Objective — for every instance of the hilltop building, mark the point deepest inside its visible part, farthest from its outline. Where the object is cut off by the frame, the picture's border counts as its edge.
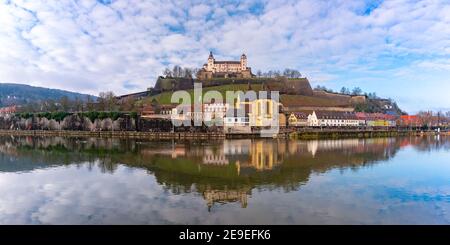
(226, 69)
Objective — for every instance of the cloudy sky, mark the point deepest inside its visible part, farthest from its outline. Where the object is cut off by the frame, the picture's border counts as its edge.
(398, 48)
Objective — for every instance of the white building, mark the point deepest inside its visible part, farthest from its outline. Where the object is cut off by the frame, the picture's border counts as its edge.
(236, 121)
(215, 111)
(333, 119)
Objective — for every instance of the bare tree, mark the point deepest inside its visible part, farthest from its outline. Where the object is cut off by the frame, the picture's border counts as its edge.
(78, 104)
(372, 95)
(89, 103)
(187, 72)
(102, 101)
(111, 100)
(167, 73)
(295, 74)
(356, 91)
(107, 101)
(426, 117)
(259, 73)
(345, 90)
(128, 104)
(65, 103)
(177, 71)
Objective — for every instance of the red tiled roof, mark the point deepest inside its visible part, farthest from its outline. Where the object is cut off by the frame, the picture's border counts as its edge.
(9, 109)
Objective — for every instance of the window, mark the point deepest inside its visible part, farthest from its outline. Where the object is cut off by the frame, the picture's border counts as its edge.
(268, 108)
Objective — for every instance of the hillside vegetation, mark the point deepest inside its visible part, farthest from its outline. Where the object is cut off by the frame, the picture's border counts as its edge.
(165, 97)
(20, 94)
(288, 99)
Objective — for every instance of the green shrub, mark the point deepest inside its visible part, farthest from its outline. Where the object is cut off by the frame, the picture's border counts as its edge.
(102, 115)
(24, 115)
(92, 115)
(134, 115)
(115, 115)
(59, 115)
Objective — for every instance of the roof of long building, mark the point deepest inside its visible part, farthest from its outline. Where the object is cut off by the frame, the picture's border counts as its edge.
(335, 115)
(227, 62)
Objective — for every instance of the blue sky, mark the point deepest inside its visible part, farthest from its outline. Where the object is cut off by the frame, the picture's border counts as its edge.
(399, 49)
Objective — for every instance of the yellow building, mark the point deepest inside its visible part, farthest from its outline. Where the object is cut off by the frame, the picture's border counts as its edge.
(298, 119)
(264, 156)
(262, 112)
(378, 123)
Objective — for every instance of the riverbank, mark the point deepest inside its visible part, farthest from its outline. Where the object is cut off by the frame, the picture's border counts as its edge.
(114, 134)
(306, 135)
(343, 134)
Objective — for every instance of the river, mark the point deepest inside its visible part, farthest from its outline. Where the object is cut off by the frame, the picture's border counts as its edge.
(56, 180)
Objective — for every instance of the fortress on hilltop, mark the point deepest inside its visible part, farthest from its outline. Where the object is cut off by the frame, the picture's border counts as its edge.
(225, 69)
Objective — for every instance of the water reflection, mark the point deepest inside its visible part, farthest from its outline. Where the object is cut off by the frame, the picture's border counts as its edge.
(220, 172)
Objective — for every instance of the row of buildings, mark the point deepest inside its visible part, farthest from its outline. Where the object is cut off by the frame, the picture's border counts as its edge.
(340, 119)
(245, 115)
(8, 110)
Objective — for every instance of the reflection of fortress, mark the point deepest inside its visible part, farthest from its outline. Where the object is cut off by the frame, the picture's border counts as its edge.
(267, 154)
(215, 159)
(225, 196)
(264, 155)
(221, 171)
(259, 155)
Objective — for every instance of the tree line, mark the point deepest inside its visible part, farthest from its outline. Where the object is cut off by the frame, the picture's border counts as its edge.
(354, 92)
(105, 101)
(178, 71)
(186, 72)
(288, 72)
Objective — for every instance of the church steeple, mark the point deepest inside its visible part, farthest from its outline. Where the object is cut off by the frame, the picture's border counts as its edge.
(210, 55)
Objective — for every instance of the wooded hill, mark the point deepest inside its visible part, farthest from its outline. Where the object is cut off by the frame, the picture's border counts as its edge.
(20, 94)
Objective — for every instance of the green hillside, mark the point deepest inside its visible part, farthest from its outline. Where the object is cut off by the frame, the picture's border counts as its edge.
(295, 94)
(165, 97)
(287, 99)
(302, 100)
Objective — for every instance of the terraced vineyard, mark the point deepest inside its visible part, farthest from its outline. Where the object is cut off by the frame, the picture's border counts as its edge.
(298, 100)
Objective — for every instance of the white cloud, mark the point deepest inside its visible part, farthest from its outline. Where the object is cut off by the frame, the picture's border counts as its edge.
(91, 47)
(199, 11)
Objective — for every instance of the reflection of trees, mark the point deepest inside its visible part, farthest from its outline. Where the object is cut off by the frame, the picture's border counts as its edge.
(430, 143)
(221, 171)
(37, 152)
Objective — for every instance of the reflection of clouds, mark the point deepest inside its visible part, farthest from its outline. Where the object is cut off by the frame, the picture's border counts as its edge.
(410, 188)
(76, 195)
(79, 196)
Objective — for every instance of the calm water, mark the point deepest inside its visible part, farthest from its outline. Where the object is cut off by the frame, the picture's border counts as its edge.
(111, 181)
